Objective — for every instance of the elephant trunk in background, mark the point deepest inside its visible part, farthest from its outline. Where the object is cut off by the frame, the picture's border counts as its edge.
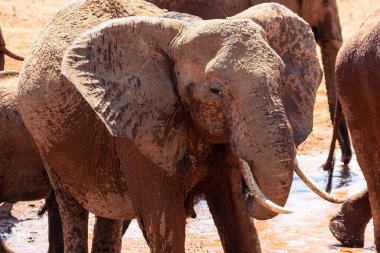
(324, 20)
(4, 51)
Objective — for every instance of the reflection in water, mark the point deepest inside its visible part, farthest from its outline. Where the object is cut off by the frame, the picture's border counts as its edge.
(345, 176)
(7, 221)
(344, 179)
(329, 181)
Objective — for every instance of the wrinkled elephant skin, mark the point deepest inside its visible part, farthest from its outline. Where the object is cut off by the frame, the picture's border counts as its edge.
(128, 113)
(322, 16)
(358, 90)
(22, 173)
(5, 51)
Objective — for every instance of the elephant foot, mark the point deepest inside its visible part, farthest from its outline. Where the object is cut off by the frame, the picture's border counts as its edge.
(349, 233)
(346, 158)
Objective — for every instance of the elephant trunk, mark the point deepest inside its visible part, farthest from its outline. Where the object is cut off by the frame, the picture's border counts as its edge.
(328, 34)
(4, 51)
(329, 54)
(262, 136)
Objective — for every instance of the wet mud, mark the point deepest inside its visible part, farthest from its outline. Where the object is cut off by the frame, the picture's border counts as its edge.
(306, 230)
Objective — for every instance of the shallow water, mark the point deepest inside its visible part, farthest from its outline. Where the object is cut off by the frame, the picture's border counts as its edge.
(306, 230)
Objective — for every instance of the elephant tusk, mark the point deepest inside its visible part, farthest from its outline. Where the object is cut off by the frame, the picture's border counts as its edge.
(10, 54)
(256, 191)
(314, 187)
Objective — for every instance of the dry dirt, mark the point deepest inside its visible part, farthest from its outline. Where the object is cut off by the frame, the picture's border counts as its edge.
(21, 20)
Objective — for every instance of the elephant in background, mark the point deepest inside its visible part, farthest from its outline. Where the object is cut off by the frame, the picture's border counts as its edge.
(4, 51)
(323, 17)
(134, 116)
(22, 173)
(357, 76)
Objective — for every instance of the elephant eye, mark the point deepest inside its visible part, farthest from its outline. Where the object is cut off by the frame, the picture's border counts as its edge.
(215, 87)
(325, 3)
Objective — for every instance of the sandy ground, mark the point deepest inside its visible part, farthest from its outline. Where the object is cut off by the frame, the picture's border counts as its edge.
(21, 20)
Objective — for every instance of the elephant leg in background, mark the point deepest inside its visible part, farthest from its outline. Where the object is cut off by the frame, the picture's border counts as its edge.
(107, 235)
(348, 225)
(226, 203)
(73, 216)
(126, 224)
(329, 53)
(152, 189)
(55, 226)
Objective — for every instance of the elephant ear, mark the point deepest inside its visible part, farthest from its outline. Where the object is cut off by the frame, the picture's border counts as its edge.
(122, 69)
(293, 40)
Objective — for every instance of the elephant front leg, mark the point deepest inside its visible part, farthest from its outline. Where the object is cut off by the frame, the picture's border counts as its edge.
(107, 236)
(164, 230)
(74, 222)
(348, 225)
(235, 226)
(162, 220)
(158, 204)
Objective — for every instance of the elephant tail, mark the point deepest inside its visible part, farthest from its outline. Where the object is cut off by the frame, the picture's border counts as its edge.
(48, 203)
(329, 164)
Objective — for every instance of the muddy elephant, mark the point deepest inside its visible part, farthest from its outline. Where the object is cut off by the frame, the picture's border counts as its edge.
(22, 173)
(134, 116)
(4, 51)
(358, 90)
(323, 17)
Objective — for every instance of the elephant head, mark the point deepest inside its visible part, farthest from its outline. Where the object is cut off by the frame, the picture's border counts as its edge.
(155, 80)
(4, 51)
(323, 17)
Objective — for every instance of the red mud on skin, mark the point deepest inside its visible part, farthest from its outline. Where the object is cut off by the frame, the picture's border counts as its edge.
(306, 230)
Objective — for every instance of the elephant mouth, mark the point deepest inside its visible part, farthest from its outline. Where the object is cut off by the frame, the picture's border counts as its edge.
(259, 196)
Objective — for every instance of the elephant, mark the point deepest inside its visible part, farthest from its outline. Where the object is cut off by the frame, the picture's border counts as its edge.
(4, 51)
(323, 17)
(22, 173)
(357, 88)
(134, 114)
